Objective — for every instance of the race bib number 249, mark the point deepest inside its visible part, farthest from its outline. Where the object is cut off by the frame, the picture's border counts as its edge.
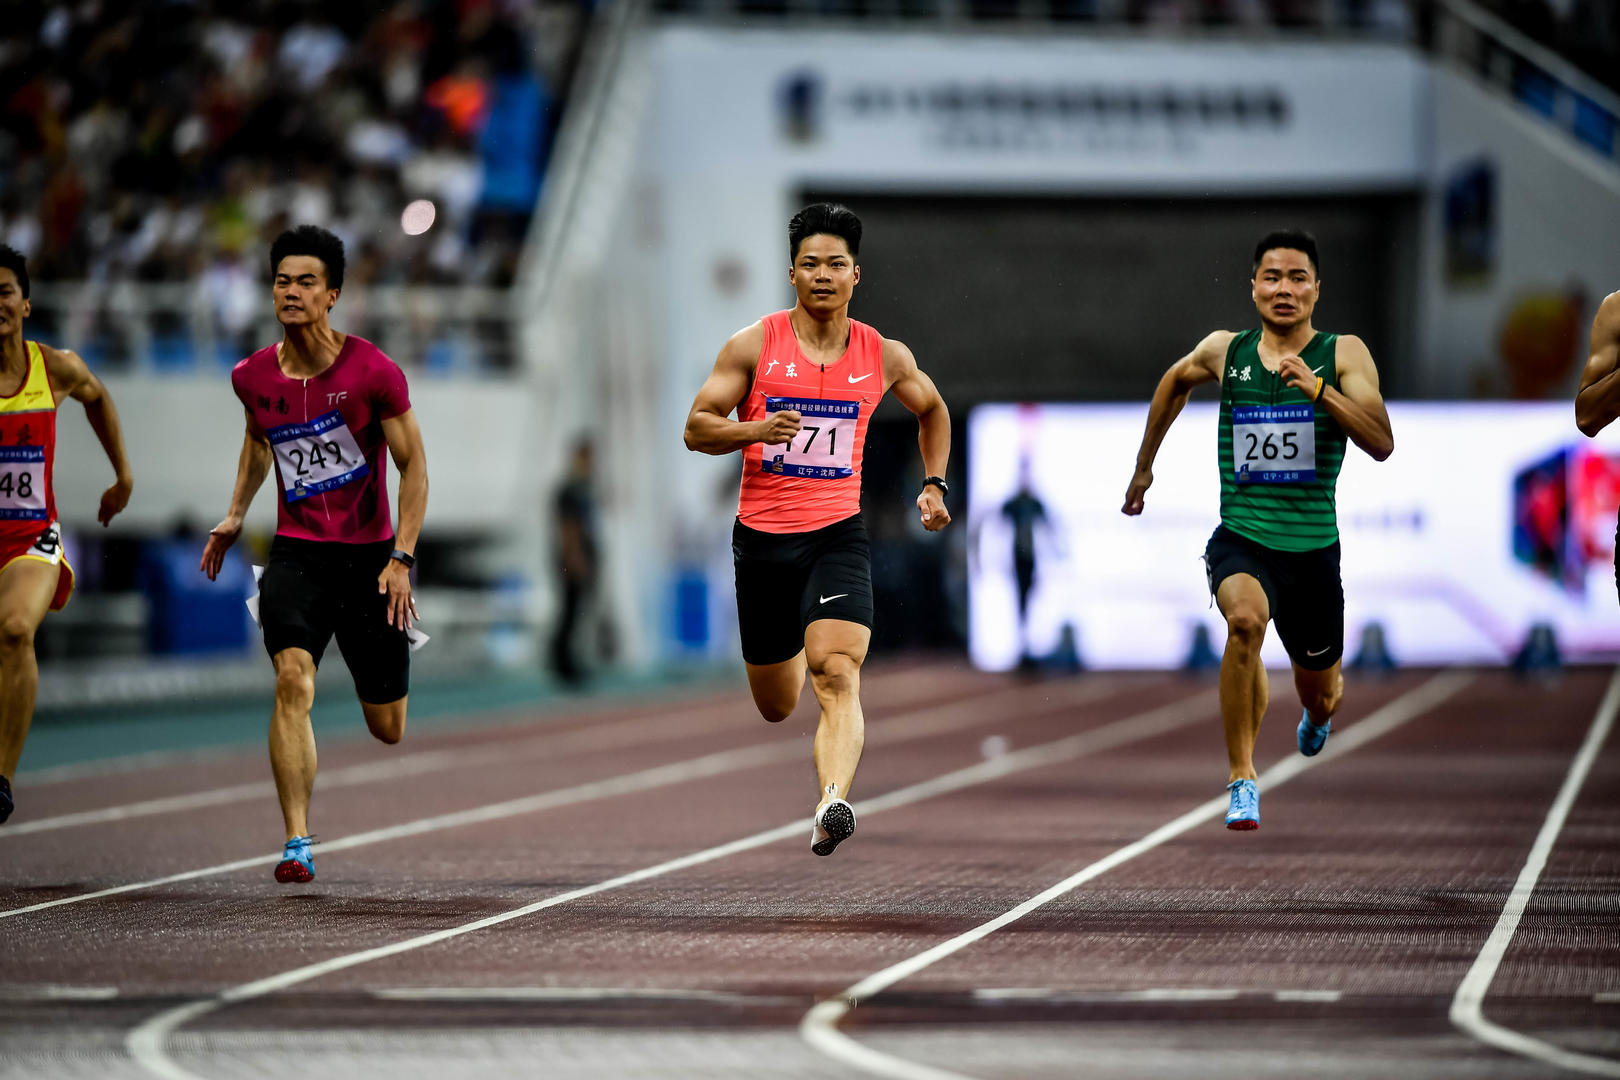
(316, 457)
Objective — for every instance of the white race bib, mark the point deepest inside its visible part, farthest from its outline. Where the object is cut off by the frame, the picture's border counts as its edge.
(316, 457)
(1274, 444)
(824, 448)
(22, 483)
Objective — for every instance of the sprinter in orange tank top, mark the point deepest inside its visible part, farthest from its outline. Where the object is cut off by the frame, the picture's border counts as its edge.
(804, 384)
(34, 576)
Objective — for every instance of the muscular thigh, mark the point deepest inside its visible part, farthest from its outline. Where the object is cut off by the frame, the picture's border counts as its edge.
(1310, 612)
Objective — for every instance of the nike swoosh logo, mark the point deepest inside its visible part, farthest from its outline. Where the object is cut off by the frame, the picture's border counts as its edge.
(1317, 370)
(853, 379)
(824, 599)
(1319, 652)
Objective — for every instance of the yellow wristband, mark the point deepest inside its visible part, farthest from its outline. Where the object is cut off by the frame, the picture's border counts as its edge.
(1319, 381)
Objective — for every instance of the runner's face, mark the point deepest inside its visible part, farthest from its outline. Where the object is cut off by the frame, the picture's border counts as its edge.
(300, 290)
(824, 274)
(1285, 288)
(13, 308)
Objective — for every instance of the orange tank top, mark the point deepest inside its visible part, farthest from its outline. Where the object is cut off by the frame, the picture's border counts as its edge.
(815, 480)
(27, 452)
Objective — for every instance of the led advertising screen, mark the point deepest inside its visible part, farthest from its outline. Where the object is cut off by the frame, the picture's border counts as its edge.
(1487, 520)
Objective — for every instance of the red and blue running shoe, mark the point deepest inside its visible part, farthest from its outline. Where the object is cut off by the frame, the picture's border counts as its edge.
(297, 865)
(1244, 813)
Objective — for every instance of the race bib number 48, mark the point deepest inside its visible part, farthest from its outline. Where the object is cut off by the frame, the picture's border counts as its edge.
(1274, 444)
(824, 448)
(22, 483)
(316, 457)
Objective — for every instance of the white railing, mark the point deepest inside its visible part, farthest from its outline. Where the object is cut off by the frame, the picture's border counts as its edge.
(1533, 75)
(184, 328)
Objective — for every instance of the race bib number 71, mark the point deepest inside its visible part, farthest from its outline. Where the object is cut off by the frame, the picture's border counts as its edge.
(316, 457)
(824, 448)
(1274, 444)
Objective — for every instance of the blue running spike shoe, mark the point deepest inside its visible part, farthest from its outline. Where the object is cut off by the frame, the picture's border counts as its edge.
(7, 805)
(1245, 810)
(297, 865)
(1310, 737)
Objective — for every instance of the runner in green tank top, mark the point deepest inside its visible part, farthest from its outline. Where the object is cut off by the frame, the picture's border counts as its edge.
(1290, 399)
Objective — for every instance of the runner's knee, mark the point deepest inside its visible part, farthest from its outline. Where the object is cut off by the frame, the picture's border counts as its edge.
(295, 682)
(1246, 627)
(16, 633)
(774, 708)
(386, 723)
(835, 675)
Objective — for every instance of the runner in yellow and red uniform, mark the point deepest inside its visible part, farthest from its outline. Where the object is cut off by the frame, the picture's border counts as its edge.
(804, 383)
(34, 576)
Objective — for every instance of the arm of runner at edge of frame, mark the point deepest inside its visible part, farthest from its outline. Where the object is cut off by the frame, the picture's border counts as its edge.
(709, 427)
(404, 437)
(917, 392)
(252, 466)
(1200, 366)
(1356, 403)
(67, 370)
(1598, 401)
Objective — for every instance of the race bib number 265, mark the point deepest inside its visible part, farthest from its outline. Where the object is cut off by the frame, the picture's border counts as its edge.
(824, 448)
(316, 457)
(1274, 444)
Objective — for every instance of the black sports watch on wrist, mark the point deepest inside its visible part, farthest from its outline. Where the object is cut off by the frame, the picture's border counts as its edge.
(939, 482)
(403, 556)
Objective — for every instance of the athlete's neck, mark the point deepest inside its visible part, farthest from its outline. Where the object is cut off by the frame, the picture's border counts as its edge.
(820, 332)
(1280, 341)
(13, 357)
(306, 351)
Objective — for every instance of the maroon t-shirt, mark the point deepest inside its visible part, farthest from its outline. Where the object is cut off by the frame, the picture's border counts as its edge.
(328, 440)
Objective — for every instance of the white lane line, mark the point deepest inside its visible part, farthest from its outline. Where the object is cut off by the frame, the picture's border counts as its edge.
(1468, 1005)
(148, 1042)
(1309, 995)
(523, 994)
(1607, 998)
(922, 723)
(1104, 997)
(544, 744)
(58, 993)
(819, 1027)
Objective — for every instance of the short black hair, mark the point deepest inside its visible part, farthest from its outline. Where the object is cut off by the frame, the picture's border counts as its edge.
(830, 219)
(15, 261)
(1293, 240)
(310, 240)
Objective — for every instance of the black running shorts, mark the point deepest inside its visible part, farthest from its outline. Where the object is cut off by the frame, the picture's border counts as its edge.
(786, 581)
(313, 589)
(1302, 587)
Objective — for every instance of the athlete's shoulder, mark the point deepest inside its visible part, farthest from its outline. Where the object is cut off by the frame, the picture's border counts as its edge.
(255, 365)
(897, 355)
(368, 352)
(63, 367)
(1349, 347)
(1608, 312)
(1212, 350)
(745, 344)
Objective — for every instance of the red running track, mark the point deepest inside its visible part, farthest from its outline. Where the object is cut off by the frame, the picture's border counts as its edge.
(629, 893)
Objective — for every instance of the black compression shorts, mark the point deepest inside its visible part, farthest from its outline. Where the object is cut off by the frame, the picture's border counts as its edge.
(786, 581)
(313, 589)
(1303, 588)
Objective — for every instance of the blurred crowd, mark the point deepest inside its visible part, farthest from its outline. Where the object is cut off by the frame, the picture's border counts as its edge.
(1587, 32)
(169, 140)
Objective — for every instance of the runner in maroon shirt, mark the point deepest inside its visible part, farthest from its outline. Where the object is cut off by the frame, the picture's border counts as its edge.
(321, 406)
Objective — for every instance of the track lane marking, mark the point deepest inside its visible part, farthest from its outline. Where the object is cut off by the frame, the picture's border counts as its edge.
(1468, 1005)
(927, 722)
(147, 1042)
(819, 1027)
(522, 994)
(527, 745)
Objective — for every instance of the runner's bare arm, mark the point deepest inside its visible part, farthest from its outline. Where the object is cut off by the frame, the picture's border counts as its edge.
(70, 373)
(1598, 402)
(1200, 366)
(404, 437)
(709, 427)
(252, 466)
(1356, 403)
(916, 391)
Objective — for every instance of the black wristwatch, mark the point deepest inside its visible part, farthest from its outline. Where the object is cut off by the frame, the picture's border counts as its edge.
(403, 556)
(939, 482)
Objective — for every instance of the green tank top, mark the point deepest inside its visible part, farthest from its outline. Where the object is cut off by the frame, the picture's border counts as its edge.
(1279, 453)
